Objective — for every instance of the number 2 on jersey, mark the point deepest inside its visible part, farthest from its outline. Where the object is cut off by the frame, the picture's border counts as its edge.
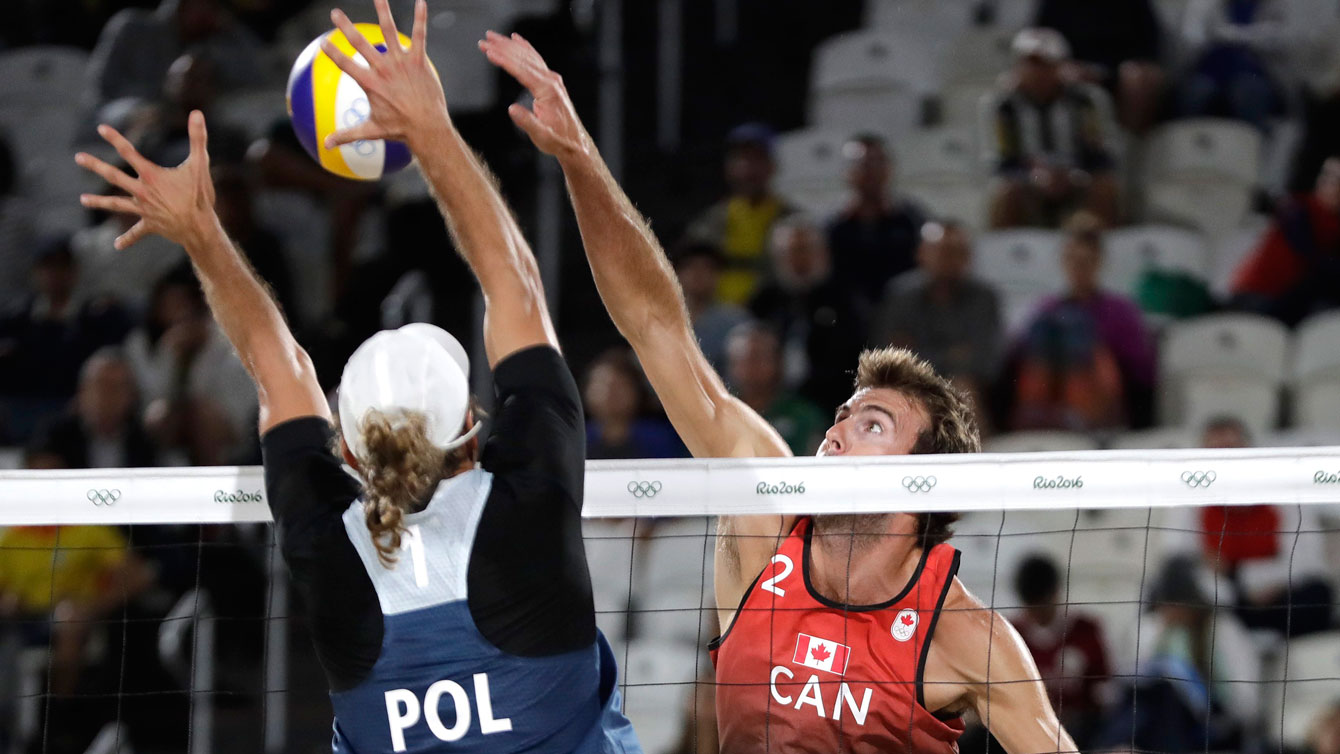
(771, 584)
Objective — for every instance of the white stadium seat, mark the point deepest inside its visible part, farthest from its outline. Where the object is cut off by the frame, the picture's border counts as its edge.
(1200, 398)
(1132, 251)
(1023, 265)
(609, 555)
(962, 199)
(44, 76)
(1230, 247)
(1205, 149)
(920, 21)
(1039, 441)
(1216, 208)
(1316, 346)
(1162, 438)
(811, 169)
(673, 584)
(1316, 403)
(1300, 686)
(658, 677)
(972, 65)
(1241, 344)
(454, 28)
(869, 81)
(938, 154)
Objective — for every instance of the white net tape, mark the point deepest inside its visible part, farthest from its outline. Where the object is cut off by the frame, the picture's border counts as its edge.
(715, 487)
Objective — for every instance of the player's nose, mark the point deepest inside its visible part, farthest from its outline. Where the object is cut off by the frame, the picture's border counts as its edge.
(833, 441)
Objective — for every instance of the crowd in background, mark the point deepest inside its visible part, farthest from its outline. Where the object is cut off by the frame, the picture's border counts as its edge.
(111, 359)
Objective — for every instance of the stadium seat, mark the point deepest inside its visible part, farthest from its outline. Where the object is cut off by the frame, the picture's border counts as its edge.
(938, 154)
(1316, 403)
(1023, 265)
(811, 169)
(673, 584)
(1237, 344)
(1162, 438)
(1132, 251)
(1200, 398)
(43, 76)
(1205, 150)
(961, 199)
(11, 458)
(927, 19)
(658, 678)
(869, 81)
(1301, 681)
(1039, 441)
(1302, 437)
(1215, 208)
(609, 555)
(1316, 346)
(971, 66)
(1230, 248)
(252, 111)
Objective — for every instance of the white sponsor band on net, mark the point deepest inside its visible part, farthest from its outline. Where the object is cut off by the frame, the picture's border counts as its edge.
(713, 487)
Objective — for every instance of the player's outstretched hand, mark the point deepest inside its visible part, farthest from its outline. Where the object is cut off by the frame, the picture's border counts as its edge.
(403, 90)
(176, 203)
(552, 123)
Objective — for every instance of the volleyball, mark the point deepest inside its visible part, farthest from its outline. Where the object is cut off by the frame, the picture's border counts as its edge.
(322, 99)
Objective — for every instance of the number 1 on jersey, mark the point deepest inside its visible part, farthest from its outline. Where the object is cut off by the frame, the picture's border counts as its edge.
(413, 541)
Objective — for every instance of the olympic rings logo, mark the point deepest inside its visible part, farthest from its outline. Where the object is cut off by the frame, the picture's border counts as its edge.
(915, 484)
(1196, 479)
(644, 489)
(103, 497)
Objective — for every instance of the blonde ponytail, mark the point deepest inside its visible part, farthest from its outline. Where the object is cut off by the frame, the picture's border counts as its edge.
(400, 469)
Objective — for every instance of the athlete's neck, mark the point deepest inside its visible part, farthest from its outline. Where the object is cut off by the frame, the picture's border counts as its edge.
(867, 561)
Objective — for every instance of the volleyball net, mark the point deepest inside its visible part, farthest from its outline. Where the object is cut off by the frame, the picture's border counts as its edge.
(1142, 581)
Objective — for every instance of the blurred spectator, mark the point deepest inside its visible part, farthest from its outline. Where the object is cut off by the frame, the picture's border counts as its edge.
(740, 223)
(233, 203)
(199, 399)
(1295, 269)
(1270, 560)
(1067, 646)
(1116, 45)
(698, 266)
(1085, 360)
(137, 47)
(57, 581)
(755, 371)
(1197, 675)
(942, 312)
(47, 334)
(616, 406)
(159, 128)
(1049, 140)
(1323, 736)
(102, 430)
(820, 324)
(875, 237)
(1238, 50)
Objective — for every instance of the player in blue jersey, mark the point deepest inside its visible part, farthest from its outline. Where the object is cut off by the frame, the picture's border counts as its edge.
(446, 583)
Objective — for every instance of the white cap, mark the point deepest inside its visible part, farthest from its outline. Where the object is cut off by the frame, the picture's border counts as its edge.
(1044, 43)
(417, 368)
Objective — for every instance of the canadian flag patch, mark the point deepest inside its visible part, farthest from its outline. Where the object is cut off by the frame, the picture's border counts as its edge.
(821, 654)
(904, 624)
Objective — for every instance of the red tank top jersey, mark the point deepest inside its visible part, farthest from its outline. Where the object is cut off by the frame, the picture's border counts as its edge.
(797, 672)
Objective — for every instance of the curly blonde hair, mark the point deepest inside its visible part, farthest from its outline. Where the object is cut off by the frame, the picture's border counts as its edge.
(400, 467)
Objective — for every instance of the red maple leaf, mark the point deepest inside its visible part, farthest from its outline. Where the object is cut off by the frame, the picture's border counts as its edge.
(908, 620)
(820, 653)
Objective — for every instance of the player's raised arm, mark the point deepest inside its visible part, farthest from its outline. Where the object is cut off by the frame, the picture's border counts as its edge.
(407, 104)
(631, 272)
(178, 204)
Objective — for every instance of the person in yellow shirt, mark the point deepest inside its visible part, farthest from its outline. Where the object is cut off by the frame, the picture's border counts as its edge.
(741, 223)
(56, 580)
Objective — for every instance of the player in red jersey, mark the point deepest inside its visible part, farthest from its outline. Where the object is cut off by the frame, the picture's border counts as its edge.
(843, 633)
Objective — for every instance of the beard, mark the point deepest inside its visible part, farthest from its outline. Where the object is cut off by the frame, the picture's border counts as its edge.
(858, 531)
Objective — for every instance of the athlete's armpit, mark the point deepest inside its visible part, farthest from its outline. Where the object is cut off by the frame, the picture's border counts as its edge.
(978, 661)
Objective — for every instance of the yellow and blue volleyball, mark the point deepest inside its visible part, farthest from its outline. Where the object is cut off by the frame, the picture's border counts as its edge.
(322, 99)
